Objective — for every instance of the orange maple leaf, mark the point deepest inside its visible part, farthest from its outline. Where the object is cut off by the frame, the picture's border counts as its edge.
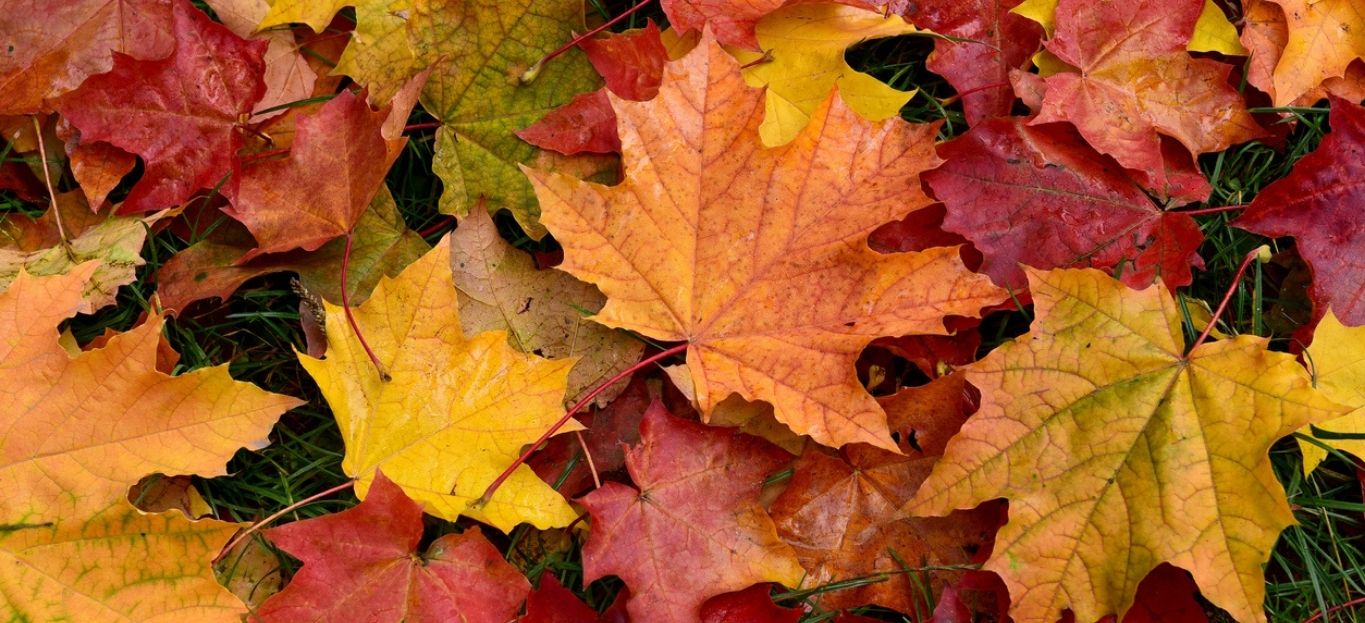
(758, 257)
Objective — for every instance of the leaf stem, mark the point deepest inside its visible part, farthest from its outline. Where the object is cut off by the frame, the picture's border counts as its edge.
(530, 74)
(413, 127)
(256, 527)
(506, 473)
(1236, 279)
(350, 319)
(592, 467)
(52, 193)
(1213, 210)
(1334, 609)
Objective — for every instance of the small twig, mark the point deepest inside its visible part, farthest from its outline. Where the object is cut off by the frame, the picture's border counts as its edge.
(1236, 279)
(1334, 609)
(51, 192)
(346, 305)
(1213, 210)
(530, 74)
(507, 473)
(441, 223)
(256, 527)
(592, 467)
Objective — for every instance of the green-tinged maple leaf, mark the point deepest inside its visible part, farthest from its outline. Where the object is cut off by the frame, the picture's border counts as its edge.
(1118, 451)
(79, 431)
(544, 312)
(455, 412)
(36, 246)
(381, 246)
(479, 89)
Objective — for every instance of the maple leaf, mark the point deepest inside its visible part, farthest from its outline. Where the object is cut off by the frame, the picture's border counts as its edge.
(477, 89)
(1318, 204)
(120, 419)
(1212, 32)
(1099, 429)
(696, 507)
(48, 49)
(631, 62)
(196, 96)
(288, 204)
(552, 603)
(730, 21)
(1339, 371)
(214, 267)
(362, 564)
(842, 513)
(543, 311)
(994, 41)
(803, 60)
(98, 167)
(609, 430)
(36, 245)
(586, 124)
(751, 605)
(456, 411)
(758, 257)
(1130, 89)
(1323, 38)
(288, 77)
(1038, 195)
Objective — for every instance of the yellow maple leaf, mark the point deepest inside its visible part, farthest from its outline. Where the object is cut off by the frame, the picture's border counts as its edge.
(1117, 452)
(1212, 33)
(1339, 370)
(803, 59)
(1325, 36)
(456, 411)
(80, 429)
(758, 257)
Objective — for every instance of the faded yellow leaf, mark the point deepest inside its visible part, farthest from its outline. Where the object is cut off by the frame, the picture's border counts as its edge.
(80, 429)
(456, 412)
(803, 60)
(544, 312)
(1337, 360)
(1118, 452)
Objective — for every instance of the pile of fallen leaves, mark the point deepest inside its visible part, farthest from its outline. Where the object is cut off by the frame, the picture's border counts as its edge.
(759, 366)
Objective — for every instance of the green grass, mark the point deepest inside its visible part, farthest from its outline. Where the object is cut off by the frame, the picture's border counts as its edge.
(1317, 563)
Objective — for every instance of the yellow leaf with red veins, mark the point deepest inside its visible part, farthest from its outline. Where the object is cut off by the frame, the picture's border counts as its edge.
(455, 413)
(80, 429)
(1118, 452)
(758, 257)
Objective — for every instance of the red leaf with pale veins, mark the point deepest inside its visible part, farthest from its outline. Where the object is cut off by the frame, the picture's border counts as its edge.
(586, 124)
(631, 62)
(732, 21)
(1319, 204)
(694, 528)
(996, 42)
(336, 165)
(1039, 196)
(362, 564)
(841, 512)
(751, 605)
(1136, 83)
(48, 48)
(179, 113)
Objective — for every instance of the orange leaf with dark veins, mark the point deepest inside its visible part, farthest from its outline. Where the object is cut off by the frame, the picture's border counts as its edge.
(1039, 196)
(48, 48)
(694, 528)
(362, 564)
(336, 165)
(1319, 204)
(994, 41)
(179, 113)
(842, 512)
(1134, 82)
(756, 256)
